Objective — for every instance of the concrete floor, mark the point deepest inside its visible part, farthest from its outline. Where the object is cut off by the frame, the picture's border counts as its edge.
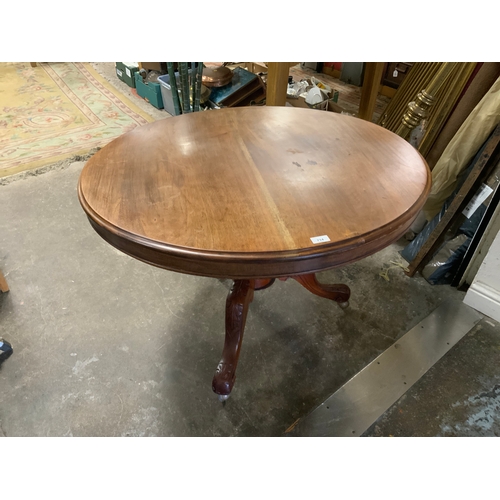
(105, 345)
(458, 396)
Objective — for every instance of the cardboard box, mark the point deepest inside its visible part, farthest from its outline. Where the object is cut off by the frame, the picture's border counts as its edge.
(161, 67)
(125, 71)
(297, 102)
(327, 105)
(151, 91)
(333, 106)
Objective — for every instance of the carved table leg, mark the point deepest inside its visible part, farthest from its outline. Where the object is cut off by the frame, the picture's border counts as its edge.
(338, 293)
(237, 303)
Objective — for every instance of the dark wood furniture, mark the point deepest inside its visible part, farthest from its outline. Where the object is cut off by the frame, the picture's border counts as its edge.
(254, 194)
(395, 72)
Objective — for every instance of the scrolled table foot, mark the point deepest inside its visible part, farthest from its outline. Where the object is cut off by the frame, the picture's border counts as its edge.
(238, 300)
(338, 293)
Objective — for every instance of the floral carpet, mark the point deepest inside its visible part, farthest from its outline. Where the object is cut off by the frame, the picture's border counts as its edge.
(58, 110)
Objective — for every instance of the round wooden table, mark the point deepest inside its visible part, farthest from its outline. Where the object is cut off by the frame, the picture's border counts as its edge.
(254, 194)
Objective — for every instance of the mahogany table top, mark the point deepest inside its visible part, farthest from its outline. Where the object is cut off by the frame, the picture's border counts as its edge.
(246, 192)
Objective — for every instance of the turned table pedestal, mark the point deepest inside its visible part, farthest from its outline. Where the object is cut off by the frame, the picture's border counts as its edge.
(254, 194)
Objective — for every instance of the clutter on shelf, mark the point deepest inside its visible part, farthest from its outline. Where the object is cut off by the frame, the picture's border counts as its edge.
(312, 93)
(221, 84)
(244, 89)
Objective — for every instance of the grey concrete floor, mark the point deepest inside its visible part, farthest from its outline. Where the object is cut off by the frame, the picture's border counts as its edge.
(105, 345)
(458, 396)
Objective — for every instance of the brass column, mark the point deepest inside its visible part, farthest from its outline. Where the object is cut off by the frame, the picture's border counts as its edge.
(418, 110)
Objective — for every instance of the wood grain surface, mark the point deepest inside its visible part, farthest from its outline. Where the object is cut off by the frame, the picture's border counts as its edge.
(240, 192)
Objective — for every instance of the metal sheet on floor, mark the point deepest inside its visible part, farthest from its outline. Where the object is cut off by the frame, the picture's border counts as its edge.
(370, 393)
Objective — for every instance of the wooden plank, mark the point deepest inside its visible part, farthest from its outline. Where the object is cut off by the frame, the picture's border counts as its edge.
(387, 91)
(3, 283)
(255, 67)
(277, 81)
(369, 91)
(479, 172)
(331, 72)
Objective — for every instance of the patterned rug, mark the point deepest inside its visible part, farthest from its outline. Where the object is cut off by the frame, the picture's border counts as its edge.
(58, 110)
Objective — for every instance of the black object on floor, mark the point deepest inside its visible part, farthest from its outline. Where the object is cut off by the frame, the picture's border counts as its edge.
(5, 350)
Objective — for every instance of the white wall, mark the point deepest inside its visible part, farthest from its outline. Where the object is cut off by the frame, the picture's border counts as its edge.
(484, 293)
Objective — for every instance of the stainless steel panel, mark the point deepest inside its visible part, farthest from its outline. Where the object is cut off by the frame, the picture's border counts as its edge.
(362, 400)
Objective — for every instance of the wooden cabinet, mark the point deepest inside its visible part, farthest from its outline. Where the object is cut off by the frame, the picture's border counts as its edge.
(395, 72)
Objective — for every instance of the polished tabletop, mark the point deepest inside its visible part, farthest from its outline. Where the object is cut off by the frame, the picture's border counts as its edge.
(255, 191)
